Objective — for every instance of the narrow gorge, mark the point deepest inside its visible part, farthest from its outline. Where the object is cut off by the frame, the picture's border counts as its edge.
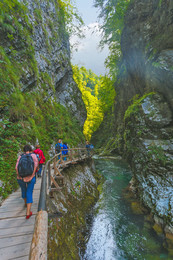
(127, 115)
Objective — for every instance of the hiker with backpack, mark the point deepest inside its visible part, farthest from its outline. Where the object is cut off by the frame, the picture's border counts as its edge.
(26, 166)
(88, 148)
(58, 147)
(41, 159)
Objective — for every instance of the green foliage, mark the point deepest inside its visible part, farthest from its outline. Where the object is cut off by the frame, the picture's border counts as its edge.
(70, 17)
(44, 123)
(136, 103)
(98, 95)
(9, 145)
(160, 3)
(38, 15)
(157, 153)
(157, 64)
(112, 13)
(28, 113)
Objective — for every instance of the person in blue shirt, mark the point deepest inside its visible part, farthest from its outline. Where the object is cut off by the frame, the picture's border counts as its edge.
(88, 147)
(58, 147)
(65, 152)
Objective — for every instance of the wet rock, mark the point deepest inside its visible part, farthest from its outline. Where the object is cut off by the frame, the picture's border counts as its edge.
(157, 111)
(152, 163)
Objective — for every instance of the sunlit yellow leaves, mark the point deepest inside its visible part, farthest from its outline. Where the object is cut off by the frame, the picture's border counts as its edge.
(98, 95)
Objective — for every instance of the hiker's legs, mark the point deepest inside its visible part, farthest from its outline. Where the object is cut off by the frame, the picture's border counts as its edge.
(28, 210)
(23, 189)
(40, 170)
(29, 193)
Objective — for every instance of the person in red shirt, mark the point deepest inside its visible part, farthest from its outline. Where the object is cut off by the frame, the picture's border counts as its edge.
(41, 159)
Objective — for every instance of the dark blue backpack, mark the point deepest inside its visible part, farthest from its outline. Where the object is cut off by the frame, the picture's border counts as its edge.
(25, 165)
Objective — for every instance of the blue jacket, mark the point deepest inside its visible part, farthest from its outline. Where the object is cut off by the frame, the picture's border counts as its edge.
(65, 147)
(58, 147)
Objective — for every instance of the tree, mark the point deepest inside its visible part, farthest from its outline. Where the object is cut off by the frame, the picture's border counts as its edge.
(98, 95)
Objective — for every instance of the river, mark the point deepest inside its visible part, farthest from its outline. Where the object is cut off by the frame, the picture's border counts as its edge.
(117, 229)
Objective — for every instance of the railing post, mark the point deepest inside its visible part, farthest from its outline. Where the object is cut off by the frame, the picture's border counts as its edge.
(70, 155)
(54, 165)
(49, 173)
(61, 158)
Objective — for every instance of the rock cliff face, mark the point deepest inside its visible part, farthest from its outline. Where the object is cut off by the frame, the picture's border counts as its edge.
(66, 234)
(43, 50)
(39, 99)
(143, 127)
(148, 146)
(52, 53)
(147, 47)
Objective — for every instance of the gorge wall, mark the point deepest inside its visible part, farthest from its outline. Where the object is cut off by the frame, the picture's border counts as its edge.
(142, 125)
(40, 101)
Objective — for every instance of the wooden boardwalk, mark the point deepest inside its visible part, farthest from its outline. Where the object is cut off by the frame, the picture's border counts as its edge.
(16, 231)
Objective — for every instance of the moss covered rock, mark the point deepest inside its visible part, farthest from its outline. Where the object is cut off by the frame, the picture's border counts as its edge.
(74, 201)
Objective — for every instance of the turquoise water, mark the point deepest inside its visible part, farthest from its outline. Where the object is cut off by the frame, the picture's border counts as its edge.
(115, 231)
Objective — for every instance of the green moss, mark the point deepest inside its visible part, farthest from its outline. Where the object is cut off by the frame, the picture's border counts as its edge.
(29, 113)
(66, 234)
(136, 103)
(38, 15)
(158, 153)
(157, 64)
(160, 3)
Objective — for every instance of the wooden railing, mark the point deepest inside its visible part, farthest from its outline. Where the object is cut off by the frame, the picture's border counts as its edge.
(52, 180)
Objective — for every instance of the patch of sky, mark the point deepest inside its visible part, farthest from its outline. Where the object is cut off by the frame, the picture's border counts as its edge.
(86, 52)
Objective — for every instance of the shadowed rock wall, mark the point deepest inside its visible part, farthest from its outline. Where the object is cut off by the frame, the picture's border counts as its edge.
(143, 127)
(147, 47)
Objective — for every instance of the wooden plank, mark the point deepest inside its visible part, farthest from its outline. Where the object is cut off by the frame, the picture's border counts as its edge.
(18, 222)
(18, 191)
(19, 199)
(16, 231)
(56, 189)
(22, 258)
(13, 214)
(16, 203)
(18, 194)
(15, 251)
(18, 207)
(59, 177)
(12, 241)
